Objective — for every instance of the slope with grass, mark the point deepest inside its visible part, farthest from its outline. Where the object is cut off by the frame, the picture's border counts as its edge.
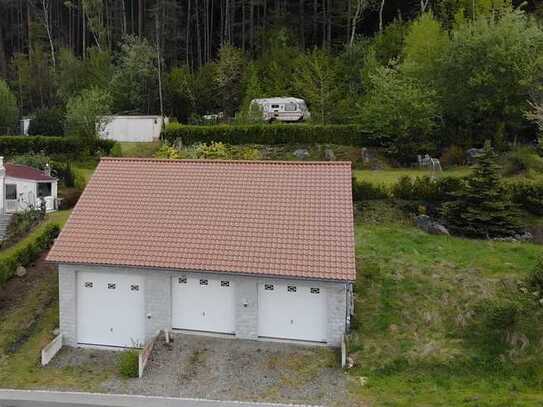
(416, 336)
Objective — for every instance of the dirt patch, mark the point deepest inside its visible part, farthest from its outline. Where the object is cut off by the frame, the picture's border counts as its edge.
(11, 293)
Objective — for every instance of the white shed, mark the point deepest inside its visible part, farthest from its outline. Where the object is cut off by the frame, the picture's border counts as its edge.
(143, 129)
(24, 187)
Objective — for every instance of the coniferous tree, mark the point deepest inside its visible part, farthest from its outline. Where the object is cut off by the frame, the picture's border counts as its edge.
(480, 208)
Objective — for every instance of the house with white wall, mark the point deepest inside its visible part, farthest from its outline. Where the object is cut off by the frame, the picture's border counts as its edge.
(25, 187)
(255, 250)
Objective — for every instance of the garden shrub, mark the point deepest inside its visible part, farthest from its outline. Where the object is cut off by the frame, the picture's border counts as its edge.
(272, 134)
(366, 191)
(528, 195)
(20, 145)
(523, 159)
(70, 196)
(47, 122)
(27, 253)
(20, 224)
(425, 189)
(453, 156)
(128, 363)
(116, 151)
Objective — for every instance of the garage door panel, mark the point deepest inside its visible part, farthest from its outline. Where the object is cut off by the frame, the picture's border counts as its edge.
(203, 304)
(110, 309)
(291, 311)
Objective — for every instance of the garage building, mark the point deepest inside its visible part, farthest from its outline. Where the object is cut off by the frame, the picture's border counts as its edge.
(257, 250)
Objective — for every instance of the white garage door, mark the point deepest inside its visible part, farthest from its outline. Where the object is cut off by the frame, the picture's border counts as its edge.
(292, 312)
(110, 309)
(203, 304)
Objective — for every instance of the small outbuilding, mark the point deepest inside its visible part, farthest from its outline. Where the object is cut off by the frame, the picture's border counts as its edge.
(143, 129)
(252, 249)
(26, 187)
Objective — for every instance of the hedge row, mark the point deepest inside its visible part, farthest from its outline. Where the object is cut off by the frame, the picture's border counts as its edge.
(18, 145)
(26, 254)
(272, 134)
(526, 194)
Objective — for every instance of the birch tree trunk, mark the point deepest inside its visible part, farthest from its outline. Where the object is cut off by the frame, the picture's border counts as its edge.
(381, 16)
(356, 17)
(424, 5)
(45, 8)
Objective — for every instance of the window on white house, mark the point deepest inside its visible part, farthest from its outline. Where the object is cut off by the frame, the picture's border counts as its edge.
(225, 283)
(44, 189)
(291, 289)
(268, 287)
(204, 282)
(11, 191)
(315, 291)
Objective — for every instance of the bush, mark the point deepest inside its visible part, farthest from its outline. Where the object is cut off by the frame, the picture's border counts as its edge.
(20, 224)
(70, 196)
(528, 195)
(47, 122)
(128, 363)
(425, 189)
(116, 151)
(28, 253)
(20, 145)
(8, 109)
(38, 161)
(272, 134)
(453, 156)
(366, 191)
(523, 159)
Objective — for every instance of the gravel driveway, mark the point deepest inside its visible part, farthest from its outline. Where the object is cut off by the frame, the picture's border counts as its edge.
(195, 366)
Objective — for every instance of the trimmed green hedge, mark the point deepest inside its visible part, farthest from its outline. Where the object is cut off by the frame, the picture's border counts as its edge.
(353, 135)
(19, 145)
(528, 195)
(28, 253)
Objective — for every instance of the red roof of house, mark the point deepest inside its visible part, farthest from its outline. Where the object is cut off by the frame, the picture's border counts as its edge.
(26, 172)
(285, 219)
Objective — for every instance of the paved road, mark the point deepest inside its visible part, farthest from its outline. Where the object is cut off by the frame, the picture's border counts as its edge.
(31, 398)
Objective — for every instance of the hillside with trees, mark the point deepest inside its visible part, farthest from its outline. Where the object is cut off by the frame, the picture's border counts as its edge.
(423, 74)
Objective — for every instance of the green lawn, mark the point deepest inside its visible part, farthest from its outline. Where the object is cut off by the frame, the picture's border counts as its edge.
(391, 176)
(417, 302)
(129, 149)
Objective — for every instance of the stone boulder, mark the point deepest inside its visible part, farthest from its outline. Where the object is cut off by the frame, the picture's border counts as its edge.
(329, 155)
(301, 154)
(20, 272)
(424, 222)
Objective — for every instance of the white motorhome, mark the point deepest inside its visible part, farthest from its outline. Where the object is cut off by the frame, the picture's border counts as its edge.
(283, 109)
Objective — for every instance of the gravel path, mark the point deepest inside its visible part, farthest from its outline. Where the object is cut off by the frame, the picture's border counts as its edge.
(195, 366)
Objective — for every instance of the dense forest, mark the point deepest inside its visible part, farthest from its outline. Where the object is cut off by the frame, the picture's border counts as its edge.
(428, 72)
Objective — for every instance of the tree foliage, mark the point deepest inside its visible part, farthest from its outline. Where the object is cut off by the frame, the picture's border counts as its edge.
(481, 208)
(8, 109)
(85, 114)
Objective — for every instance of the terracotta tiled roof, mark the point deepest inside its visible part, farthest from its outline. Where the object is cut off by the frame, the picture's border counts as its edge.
(286, 219)
(26, 172)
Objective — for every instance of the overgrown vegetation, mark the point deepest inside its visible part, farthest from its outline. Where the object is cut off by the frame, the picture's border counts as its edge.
(443, 320)
(128, 364)
(26, 251)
